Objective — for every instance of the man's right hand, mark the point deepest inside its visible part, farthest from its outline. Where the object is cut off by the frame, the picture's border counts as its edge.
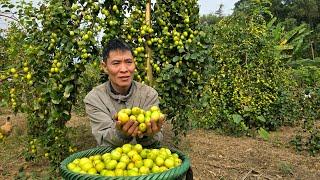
(130, 128)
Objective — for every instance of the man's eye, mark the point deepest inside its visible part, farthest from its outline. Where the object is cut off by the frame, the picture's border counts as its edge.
(129, 61)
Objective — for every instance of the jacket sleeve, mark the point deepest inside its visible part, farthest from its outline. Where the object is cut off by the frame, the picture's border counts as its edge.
(152, 99)
(102, 124)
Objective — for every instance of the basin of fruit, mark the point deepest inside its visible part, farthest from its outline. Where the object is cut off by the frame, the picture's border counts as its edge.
(130, 161)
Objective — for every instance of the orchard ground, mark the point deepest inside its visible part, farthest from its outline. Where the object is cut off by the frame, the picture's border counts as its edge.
(213, 156)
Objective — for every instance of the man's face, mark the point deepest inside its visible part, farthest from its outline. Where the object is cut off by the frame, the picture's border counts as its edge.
(120, 68)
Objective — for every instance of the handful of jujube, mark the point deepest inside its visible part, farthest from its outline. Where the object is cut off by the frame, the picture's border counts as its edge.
(143, 117)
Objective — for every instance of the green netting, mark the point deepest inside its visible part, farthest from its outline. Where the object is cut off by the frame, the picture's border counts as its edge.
(174, 173)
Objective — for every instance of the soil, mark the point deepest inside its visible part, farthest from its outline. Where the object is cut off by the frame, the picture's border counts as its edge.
(213, 156)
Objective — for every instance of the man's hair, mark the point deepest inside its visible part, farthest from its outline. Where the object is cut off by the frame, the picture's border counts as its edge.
(113, 45)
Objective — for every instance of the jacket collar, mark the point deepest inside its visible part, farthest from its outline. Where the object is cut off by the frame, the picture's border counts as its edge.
(119, 97)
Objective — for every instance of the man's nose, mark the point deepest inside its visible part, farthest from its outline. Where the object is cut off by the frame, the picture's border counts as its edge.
(123, 67)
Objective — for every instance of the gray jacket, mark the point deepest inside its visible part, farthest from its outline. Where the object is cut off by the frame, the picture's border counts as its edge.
(102, 104)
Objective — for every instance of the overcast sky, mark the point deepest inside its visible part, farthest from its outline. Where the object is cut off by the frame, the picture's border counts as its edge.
(206, 7)
(211, 6)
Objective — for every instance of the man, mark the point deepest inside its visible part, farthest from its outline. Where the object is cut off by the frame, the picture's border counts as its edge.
(120, 91)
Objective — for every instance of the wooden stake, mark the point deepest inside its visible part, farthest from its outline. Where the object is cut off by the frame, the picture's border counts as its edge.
(312, 51)
(148, 49)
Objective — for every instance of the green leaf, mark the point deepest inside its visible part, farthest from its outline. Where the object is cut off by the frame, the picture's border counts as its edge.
(204, 104)
(179, 81)
(237, 118)
(70, 78)
(41, 115)
(166, 77)
(176, 70)
(67, 91)
(201, 59)
(246, 109)
(193, 56)
(175, 59)
(36, 105)
(210, 59)
(41, 53)
(263, 133)
(3, 103)
(284, 47)
(181, 50)
(187, 56)
(271, 22)
(261, 118)
(55, 101)
(66, 112)
(54, 113)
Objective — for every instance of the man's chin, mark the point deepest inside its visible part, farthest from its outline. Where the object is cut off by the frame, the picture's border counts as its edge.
(125, 84)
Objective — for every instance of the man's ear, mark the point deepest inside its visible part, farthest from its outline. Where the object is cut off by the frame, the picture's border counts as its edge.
(103, 67)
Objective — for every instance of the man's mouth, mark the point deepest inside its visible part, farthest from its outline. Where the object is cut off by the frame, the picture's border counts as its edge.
(124, 78)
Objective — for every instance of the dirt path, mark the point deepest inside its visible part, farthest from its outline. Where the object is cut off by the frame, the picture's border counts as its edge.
(220, 157)
(213, 156)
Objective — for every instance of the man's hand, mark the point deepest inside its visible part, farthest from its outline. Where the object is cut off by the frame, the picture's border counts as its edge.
(130, 128)
(154, 127)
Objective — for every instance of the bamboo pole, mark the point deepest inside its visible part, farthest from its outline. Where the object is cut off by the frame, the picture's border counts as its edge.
(148, 49)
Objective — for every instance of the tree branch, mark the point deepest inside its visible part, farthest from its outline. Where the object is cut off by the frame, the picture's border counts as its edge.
(9, 17)
(12, 18)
